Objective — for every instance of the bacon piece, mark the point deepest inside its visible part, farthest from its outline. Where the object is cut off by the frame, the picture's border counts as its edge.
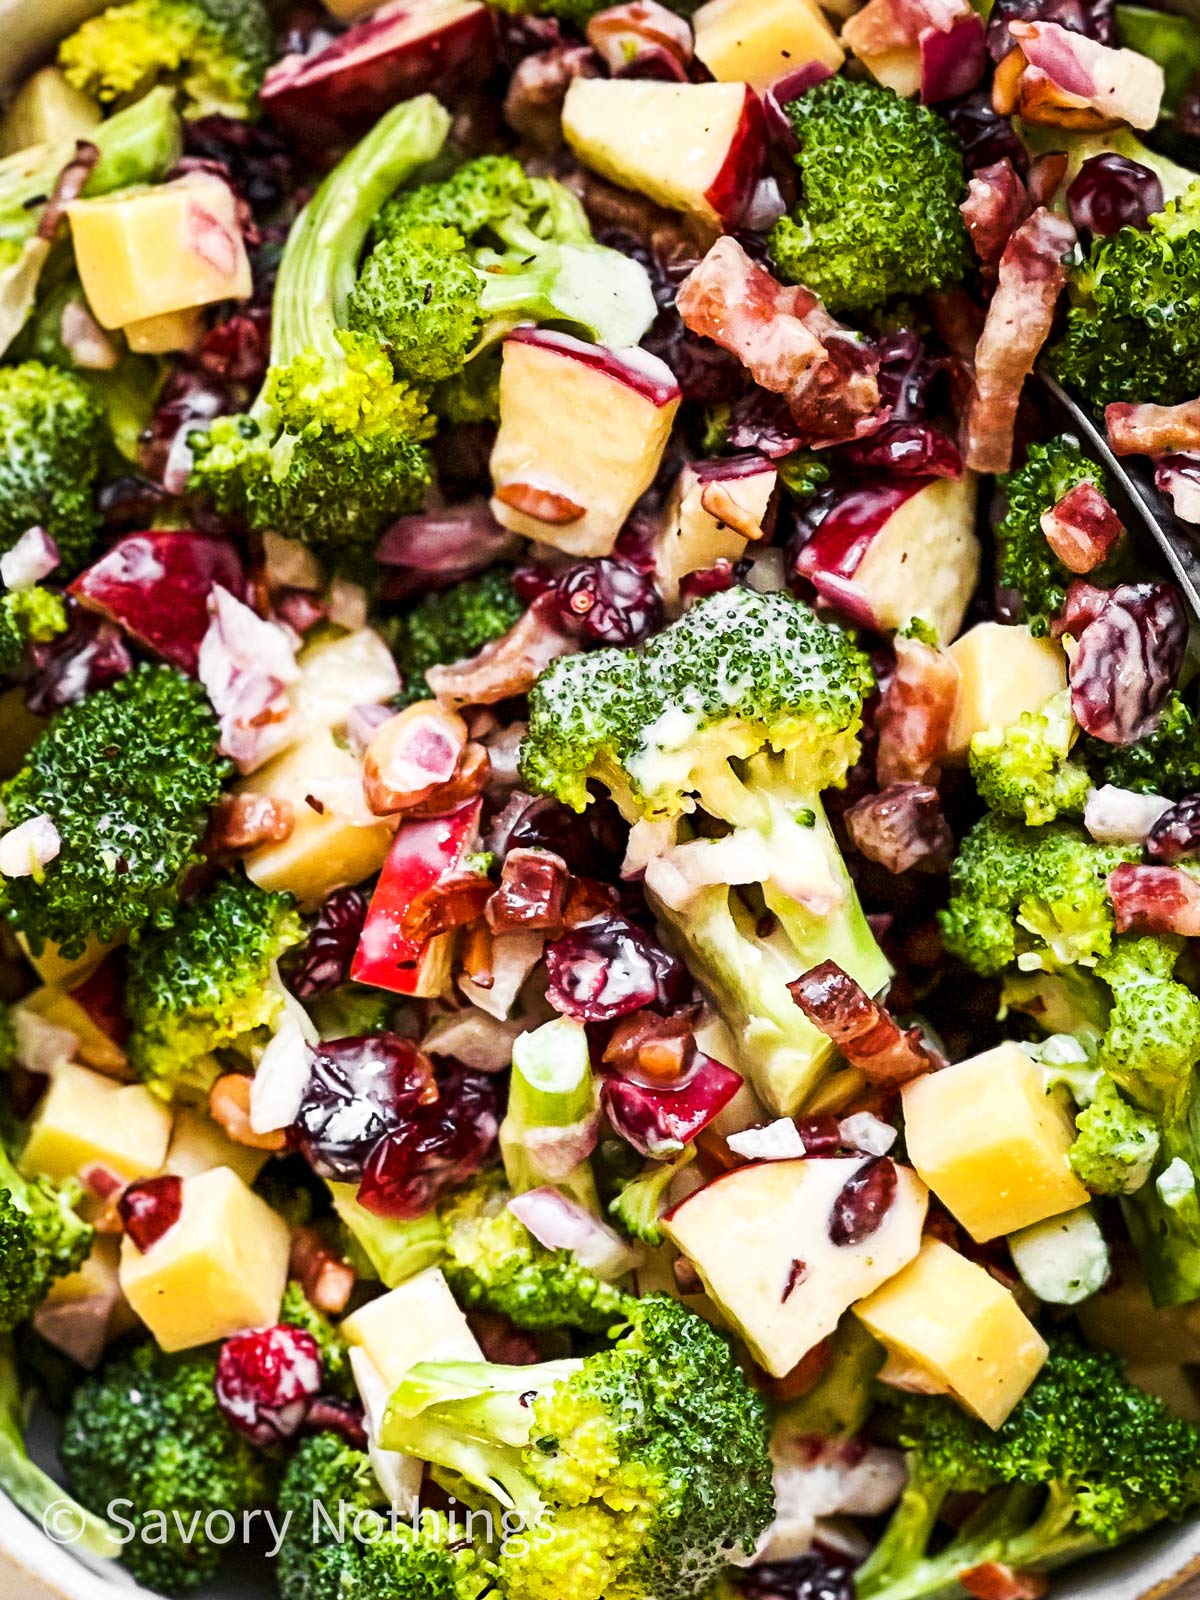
(326, 1279)
(1155, 899)
(411, 756)
(1082, 528)
(902, 828)
(864, 1031)
(996, 204)
(1045, 176)
(508, 666)
(1032, 275)
(914, 719)
(1146, 430)
(471, 777)
(1178, 477)
(1119, 84)
(241, 822)
(995, 1580)
(660, 1048)
(536, 91)
(532, 892)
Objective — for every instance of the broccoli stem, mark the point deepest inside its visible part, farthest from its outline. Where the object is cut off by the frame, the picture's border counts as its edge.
(551, 1088)
(397, 1250)
(137, 145)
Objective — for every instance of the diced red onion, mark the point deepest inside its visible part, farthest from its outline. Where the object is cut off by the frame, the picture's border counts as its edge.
(765, 208)
(1121, 816)
(277, 1088)
(26, 849)
(563, 1224)
(1178, 477)
(362, 723)
(777, 1141)
(245, 664)
(456, 539)
(32, 558)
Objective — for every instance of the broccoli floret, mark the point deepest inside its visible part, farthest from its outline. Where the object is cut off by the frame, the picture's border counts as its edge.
(8, 1038)
(28, 616)
(41, 1239)
(1025, 561)
(452, 624)
(641, 1468)
(745, 709)
(391, 1248)
(331, 450)
(1134, 330)
(1115, 1145)
(882, 179)
(298, 1311)
(208, 982)
(471, 395)
(127, 776)
(52, 434)
(146, 1431)
(350, 1010)
(1166, 761)
(1024, 770)
(1084, 1461)
(217, 51)
(461, 261)
(381, 1555)
(639, 1206)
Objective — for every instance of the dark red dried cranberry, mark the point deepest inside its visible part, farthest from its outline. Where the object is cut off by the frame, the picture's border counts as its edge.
(1176, 834)
(984, 135)
(89, 656)
(1095, 18)
(908, 450)
(864, 1201)
(150, 1208)
(435, 1147)
(659, 1119)
(547, 825)
(129, 501)
(603, 601)
(709, 580)
(607, 967)
(323, 960)
(1128, 660)
(816, 1575)
(254, 154)
(360, 1089)
(1112, 192)
(236, 351)
(266, 1381)
(761, 421)
(820, 1136)
(902, 829)
(328, 1414)
(908, 373)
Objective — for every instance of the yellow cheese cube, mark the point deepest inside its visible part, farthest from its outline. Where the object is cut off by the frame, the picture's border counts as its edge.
(327, 848)
(198, 1145)
(47, 110)
(949, 1318)
(758, 41)
(991, 1143)
(221, 1269)
(86, 1120)
(95, 1048)
(1003, 672)
(171, 330)
(143, 252)
(419, 1321)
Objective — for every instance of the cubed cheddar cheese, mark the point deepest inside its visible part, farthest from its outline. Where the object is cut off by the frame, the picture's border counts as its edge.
(171, 330)
(143, 252)
(46, 109)
(86, 1120)
(991, 1143)
(1003, 671)
(947, 1318)
(419, 1321)
(759, 41)
(220, 1269)
(198, 1145)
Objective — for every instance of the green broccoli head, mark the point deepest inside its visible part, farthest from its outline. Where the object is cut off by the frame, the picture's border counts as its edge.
(146, 1430)
(52, 435)
(1115, 1145)
(298, 1311)
(217, 51)
(420, 294)
(644, 1467)
(882, 179)
(1166, 761)
(208, 982)
(41, 1239)
(127, 776)
(1025, 561)
(1024, 770)
(1134, 332)
(28, 616)
(451, 624)
(639, 1206)
(1153, 1036)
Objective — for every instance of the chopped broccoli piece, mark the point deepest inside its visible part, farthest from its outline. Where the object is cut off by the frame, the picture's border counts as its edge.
(349, 1010)
(471, 395)
(643, 1467)
(208, 982)
(1025, 770)
(1116, 1144)
(392, 1248)
(146, 1431)
(451, 624)
(41, 1239)
(1166, 761)
(127, 776)
(217, 51)
(882, 179)
(331, 450)
(28, 616)
(8, 1038)
(52, 434)
(297, 1311)
(1084, 1461)
(802, 474)
(639, 1206)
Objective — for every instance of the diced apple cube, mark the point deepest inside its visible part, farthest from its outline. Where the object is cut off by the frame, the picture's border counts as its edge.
(85, 1120)
(582, 431)
(694, 535)
(95, 1048)
(760, 1240)
(79, 1314)
(991, 1143)
(340, 672)
(760, 41)
(47, 110)
(328, 847)
(169, 331)
(221, 1269)
(898, 70)
(693, 147)
(419, 1321)
(1003, 672)
(947, 1317)
(198, 1145)
(143, 252)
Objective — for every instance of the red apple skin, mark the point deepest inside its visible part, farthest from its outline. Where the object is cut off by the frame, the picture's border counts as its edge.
(156, 586)
(423, 852)
(727, 469)
(831, 557)
(662, 391)
(730, 191)
(398, 51)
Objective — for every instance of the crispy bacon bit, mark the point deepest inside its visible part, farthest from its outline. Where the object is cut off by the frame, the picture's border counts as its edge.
(1120, 85)
(914, 718)
(864, 1031)
(623, 33)
(533, 889)
(509, 665)
(719, 503)
(1045, 176)
(241, 822)
(411, 756)
(1178, 477)
(1082, 528)
(451, 902)
(797, 1273)
(72, 181)
(1155, 899)
(996, 204)
(659, 1048)
(994, 1580)
(1032, 275)
(536, 91)
(902, 828)
(1006, 82)
(543, 505)
(326, 1279)
(229, 1107)
(1146, 430)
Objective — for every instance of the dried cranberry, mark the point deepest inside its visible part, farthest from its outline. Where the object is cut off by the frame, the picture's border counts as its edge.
(984, 135)
(129, 501)
(236, 351)
(816, 1575)
(607, 967)
(360, 1089)
(709, 580)
(1095, 18)
(255, 155)
(659, 1119)
(908, 373)
(266, 1380)
(907, 449)
(328, 1414)
(603, 601)
(323, 960)
(1176, 834)
(149, 1208)
(1128, 660)
(89, 656)
(1112, 192)
(864, 1201)
(435, 1147)
(820, 1136)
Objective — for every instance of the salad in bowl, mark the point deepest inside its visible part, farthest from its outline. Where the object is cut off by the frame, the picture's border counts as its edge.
(600, 795)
